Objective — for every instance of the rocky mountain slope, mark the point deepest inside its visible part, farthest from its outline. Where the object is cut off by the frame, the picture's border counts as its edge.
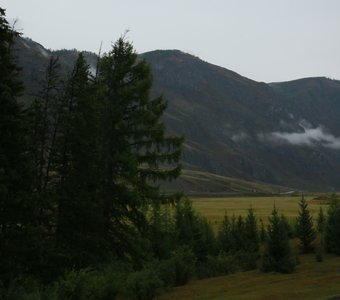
(280, 133)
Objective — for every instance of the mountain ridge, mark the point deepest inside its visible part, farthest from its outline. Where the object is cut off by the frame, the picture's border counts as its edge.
(284, 133)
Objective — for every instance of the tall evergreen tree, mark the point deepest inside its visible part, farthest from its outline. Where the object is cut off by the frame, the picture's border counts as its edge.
(223, 236)
(163, 235)
(278, 254)
(321, 221)
(136, 150)
(332, 230)
(305, 229)
(251, 234)
(16, 211)
(79, 225)
(46, 110)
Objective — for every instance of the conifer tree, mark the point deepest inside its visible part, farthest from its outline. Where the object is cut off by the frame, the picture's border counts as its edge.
(162, 231)
(45, 110)
(304, 227)
(136, 150)
(263, 233)
(332, 230)
(321, 221)
(185, 220)
(79, 225)
(251, 234)
(16, 209)
(278, 254)
(223, 236)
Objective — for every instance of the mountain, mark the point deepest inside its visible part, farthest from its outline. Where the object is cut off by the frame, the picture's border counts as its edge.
(280, 133)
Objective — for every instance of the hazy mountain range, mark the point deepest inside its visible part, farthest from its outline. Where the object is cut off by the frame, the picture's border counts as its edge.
(285, 133)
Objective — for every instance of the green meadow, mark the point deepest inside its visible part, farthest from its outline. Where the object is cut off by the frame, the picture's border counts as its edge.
(311, 279)
(214, 208)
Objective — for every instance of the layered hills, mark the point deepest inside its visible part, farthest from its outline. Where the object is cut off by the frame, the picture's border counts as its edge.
(284, 134)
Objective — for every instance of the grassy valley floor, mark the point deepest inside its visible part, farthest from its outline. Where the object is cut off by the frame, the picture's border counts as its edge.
(312, 280)
(214, 208)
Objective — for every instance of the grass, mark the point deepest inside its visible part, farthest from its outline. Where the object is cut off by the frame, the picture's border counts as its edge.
(215, 208)
(205, 183)
(311, 280)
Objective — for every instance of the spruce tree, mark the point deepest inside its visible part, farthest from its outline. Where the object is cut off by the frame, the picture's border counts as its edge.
(136, 152)
(45, 111)
(16, 209)
(223, 236)
(321, 221)
(251, 234)
(278, 254)
(79, 225)
(332, 230)
(162, 231)
(304, 227)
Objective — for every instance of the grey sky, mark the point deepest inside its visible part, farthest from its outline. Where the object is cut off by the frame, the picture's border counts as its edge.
(265, 40)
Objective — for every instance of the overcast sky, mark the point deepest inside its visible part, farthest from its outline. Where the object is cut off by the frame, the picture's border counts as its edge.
(265, 40)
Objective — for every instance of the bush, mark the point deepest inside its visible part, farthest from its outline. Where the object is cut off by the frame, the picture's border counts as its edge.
(183, 263)
(222, 264)
(178, 269)
(143, 285)
(88, 284)
(24, 288)
(285, 264)
(247, 260)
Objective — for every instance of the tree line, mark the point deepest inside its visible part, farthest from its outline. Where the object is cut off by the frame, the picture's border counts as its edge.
(82, 215)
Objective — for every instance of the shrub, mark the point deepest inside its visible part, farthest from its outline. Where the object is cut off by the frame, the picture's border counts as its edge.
(183, 261)
(143, 285)
(22, 288)
(88, 284)
(247, 260)
(221, 264)
(178, 269)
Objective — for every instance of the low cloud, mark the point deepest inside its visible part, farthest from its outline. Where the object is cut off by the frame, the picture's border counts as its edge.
(310, 137)
(239, 137)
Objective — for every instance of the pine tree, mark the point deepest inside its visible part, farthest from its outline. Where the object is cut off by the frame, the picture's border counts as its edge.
(304, 227)
(223, 236)
(332, 230)
(136, 150)
(251, 234)
(162, 231)
(185, 220)
(263, 233)
(321, 221)
(79, 225)
(16, 209)
(278, 254)
(45, 111)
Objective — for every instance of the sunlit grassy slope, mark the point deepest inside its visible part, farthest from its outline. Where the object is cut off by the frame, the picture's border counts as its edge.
(198, 182)
(312, 280)
(214, 208)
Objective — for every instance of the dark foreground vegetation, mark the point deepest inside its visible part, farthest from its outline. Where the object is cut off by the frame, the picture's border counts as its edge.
(81, 213)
